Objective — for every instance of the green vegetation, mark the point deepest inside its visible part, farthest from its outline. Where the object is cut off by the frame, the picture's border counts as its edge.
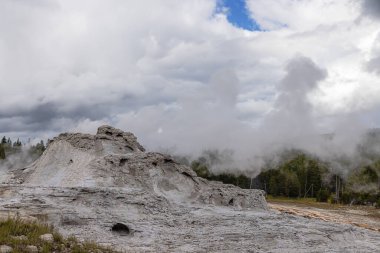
(297, 201)
(38, 149)
(297, 176)
(300, 175)
(2, 152)
(9, 148)
(323, 195)
(19, 234)
(213, 157)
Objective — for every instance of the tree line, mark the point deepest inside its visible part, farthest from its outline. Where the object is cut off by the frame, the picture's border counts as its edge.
(9, 148)
(301, 175)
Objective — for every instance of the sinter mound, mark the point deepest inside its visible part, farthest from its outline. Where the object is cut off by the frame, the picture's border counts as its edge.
(113, 158)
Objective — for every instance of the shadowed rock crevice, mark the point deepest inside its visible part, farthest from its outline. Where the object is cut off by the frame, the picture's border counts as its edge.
(120, 229)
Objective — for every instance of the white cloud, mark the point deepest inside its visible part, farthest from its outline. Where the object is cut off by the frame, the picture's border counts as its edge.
(301, 15)
(175, 72)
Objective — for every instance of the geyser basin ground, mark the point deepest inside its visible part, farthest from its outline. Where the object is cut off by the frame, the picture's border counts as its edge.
(106, 188)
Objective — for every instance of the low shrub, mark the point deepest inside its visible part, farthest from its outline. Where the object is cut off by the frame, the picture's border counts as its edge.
(323, 195)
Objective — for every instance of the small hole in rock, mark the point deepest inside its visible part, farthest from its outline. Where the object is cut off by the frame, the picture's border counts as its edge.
(129, 148)
(168, 160)
(231, 202)
(154, 163)
(120, 228)
(122, 161)
(108, 133)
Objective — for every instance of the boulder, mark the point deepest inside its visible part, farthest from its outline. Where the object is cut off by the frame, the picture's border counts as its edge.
(5, 249)
(47, 237)
(31, 249)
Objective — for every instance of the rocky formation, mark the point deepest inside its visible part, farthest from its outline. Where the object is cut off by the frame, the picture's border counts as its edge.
(106, 188)
(113, 158)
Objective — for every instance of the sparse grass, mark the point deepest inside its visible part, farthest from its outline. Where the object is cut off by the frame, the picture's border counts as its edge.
(312, 202)
(11, 228)
(295, 200)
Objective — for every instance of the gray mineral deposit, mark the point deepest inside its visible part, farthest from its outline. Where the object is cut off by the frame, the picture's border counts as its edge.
(106, 188)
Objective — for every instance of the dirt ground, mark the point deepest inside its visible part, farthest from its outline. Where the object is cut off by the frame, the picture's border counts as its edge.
(362, 216)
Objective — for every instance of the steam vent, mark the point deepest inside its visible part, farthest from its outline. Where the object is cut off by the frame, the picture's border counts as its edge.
(106, 188)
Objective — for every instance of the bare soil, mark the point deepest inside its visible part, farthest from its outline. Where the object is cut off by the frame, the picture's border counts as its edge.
(362, 216)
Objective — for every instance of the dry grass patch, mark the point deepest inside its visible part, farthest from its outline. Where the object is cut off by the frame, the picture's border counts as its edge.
(18, 234)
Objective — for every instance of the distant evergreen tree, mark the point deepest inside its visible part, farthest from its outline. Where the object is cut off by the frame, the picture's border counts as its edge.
(41, 146)
(37, 150)
(17, 143)
(323, 195)
(294, 173)
(298, 175)
(4, 140)
(2, 152)
(200, 168)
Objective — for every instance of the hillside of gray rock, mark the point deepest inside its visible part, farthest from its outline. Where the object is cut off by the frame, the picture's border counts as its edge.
(106, 188)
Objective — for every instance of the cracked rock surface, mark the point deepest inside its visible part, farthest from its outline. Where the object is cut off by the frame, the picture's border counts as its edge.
(106, 188)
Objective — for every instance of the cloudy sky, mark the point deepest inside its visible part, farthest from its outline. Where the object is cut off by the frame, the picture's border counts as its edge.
(192, 74)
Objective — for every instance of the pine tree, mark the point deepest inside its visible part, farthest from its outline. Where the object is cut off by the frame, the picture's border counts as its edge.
(2, 152)
(17, 143)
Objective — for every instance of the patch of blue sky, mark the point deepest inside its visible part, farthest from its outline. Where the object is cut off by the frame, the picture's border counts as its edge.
(237, 14)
